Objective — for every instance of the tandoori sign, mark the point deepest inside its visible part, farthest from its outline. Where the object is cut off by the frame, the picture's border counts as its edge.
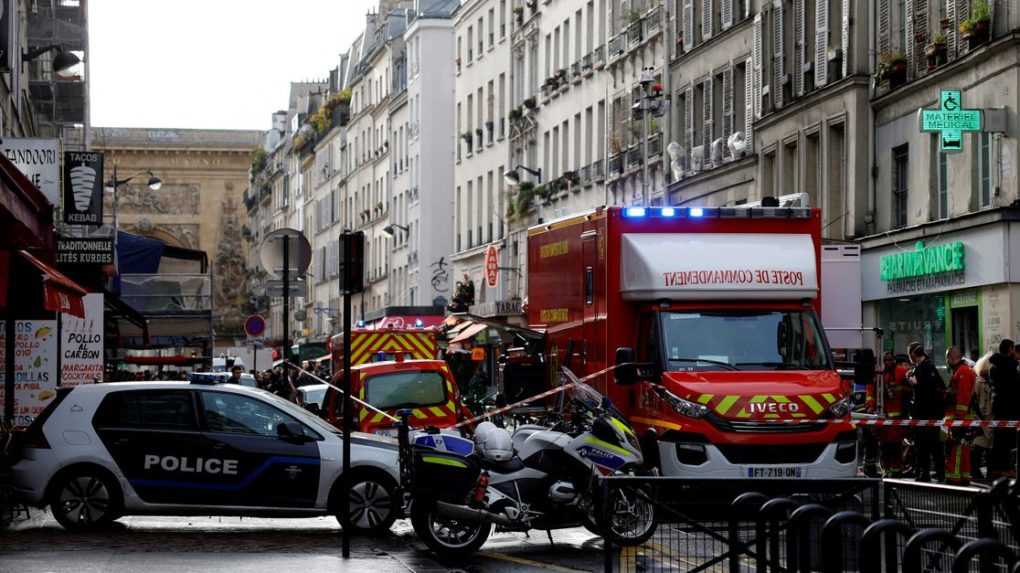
(923, 262)
(950, 120)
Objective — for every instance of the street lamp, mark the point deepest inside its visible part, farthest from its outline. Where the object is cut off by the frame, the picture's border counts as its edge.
(513, 179)
(62, 61)
(391, 229)
(154, 183)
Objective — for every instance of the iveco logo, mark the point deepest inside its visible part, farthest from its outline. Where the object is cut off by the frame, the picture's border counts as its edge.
(773, 407)
(192, 465)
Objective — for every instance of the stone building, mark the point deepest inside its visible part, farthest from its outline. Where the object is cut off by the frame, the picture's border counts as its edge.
(199, 206)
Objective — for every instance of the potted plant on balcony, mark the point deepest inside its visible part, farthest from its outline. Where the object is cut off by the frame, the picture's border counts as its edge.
(525, 197)
(515, 115)
(974, 30)
(531, 103)
(533, 6)
(935, 52)
(892, 68)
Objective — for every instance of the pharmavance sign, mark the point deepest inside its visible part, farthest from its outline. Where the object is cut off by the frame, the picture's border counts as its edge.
(924, 262)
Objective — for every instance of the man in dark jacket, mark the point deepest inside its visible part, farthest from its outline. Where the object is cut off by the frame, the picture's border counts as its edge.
(929, 404)
(1005, 381)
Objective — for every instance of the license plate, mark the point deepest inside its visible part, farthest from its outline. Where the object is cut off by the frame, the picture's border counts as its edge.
(775, 472)
(387, 432)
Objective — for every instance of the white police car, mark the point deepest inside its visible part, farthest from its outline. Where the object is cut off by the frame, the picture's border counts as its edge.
(172, 448)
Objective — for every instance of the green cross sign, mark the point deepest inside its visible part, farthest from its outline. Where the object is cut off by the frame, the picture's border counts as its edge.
(950, 120)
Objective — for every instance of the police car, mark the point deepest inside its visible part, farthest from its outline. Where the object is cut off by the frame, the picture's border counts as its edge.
(102, 451)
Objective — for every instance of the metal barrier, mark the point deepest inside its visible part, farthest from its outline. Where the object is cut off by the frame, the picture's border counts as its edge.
(831, 526)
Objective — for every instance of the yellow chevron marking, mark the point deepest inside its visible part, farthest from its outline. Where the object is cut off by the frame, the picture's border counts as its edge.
(362, 415)
(452, 407)
(780, 399)
(812, 403)
(725, 404)
(829, 397)
(436, 411)
(758, 399)
(377, 418)
(418, 414)
(704, 398)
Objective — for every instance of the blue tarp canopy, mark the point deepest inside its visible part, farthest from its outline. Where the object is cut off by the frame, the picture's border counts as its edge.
(137, 254)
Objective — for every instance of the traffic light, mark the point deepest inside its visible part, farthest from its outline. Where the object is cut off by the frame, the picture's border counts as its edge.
(352, 262)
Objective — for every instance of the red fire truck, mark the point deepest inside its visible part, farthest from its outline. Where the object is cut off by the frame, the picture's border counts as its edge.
(722, 304)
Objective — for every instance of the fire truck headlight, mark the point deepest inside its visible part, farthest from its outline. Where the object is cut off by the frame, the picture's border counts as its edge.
(840, 409)
(685, 407)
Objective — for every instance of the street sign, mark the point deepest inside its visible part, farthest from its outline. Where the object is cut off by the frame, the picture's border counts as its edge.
(491, 266)
(950, 121)
(271, 252)
(255, 326)
(84, 251)
(297, 288)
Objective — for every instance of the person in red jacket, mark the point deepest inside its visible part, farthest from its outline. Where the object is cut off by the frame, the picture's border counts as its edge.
(958, 407)
(894, 393)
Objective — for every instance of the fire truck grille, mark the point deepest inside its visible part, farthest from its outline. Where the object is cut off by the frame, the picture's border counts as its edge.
(765, 427)
(790, 454)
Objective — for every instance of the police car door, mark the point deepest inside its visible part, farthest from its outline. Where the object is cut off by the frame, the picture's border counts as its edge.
(260, 467)
(154, 438)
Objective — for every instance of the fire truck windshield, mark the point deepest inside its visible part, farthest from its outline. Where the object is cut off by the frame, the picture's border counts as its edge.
(743, 340)
(409, 389)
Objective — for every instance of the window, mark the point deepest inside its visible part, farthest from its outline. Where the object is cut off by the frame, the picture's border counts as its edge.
(900, 177)
(768, 175)
(984, 169)
(148, 409)
(405, 390)
(235, 414)
(502, 18)
(492, 28)
(789, 182)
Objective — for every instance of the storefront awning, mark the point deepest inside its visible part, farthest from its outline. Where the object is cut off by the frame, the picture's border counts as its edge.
(468, 333)
(60, 293)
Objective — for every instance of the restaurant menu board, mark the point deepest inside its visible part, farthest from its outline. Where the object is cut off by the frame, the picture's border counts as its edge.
(35, 367)
(82, 347)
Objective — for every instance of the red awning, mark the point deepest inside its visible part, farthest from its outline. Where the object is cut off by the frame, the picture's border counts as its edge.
(60, 293)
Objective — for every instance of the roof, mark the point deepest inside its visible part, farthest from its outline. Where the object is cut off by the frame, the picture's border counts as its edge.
(134, 137)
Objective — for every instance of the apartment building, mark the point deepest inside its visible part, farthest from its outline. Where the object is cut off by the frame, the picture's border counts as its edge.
(928, 199)
(482, 53)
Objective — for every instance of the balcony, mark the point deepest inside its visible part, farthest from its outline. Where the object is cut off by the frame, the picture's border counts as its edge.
(617, 46)
(167, 293)
(616, 163)
(597, 173)
(586, 64)
(635, 33)
(654, 146)
(651, 23)
(575, 72)
(584, 174)
(634, 156)
(598, 58)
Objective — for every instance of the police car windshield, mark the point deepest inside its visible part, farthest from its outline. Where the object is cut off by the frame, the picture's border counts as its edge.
(297, 411)
(743, 340)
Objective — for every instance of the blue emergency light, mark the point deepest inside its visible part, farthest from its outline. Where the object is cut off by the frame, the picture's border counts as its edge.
(635, 212)
(667, 212)
(696, 212)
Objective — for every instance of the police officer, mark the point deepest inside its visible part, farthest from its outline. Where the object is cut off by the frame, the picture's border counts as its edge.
(958, 407)
(929, 405)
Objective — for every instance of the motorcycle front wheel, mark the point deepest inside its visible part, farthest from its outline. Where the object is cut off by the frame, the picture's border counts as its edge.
(449, 539)
(631, 517)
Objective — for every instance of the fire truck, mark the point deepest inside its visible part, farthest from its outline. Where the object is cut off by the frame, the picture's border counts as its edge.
(715, 312)
(379, 345)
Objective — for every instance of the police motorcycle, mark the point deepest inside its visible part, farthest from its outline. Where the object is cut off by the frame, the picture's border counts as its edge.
(540, 478)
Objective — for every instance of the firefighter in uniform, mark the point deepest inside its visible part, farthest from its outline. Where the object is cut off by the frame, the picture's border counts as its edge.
(895, 394)
(958, 407)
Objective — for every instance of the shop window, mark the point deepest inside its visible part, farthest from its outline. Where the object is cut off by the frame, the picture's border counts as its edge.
(900, 168)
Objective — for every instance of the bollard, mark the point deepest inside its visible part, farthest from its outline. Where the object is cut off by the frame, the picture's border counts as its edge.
(912, 551)
(778, 507)
(754, 501)
(990, 550)
(871, 544)
(798, 538)
(832, 538)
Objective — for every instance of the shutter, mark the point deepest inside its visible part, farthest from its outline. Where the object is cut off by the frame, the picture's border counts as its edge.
(778, 54)
(688, 24)
(706, 19)
(726, 14)
(798, 48)
(951, 32)
(909, 50)
(749, 104)
(920, 38)
(756, 71)
(727, 111)
(822, 42)
(689, 110)
(885, 27)
(707, 130)
(846, 38)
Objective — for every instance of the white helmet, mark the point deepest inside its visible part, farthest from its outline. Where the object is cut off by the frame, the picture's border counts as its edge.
(493, 443)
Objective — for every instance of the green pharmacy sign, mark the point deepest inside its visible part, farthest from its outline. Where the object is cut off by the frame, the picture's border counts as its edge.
(950, 121)
(923, 261)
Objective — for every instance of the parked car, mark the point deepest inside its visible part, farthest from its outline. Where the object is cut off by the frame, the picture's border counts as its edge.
(221, 378)
(312, 396)
(99, 452)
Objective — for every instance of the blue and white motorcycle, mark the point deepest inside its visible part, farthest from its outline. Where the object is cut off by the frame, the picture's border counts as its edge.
(539, 478)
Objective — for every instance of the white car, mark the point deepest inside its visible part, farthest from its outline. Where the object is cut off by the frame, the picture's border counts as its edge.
(102, 451)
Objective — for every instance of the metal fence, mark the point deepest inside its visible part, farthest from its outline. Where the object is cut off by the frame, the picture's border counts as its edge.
(858, 525)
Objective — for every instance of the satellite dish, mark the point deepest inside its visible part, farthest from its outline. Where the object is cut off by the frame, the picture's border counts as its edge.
(271, 252)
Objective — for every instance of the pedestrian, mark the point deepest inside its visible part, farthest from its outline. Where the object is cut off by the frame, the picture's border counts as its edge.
(958, 407)
(982, 409)
(235, 374)
(894, 393)
(929, 406)
(1005, 381)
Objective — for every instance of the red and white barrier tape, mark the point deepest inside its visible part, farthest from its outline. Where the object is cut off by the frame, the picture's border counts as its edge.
(893, 423)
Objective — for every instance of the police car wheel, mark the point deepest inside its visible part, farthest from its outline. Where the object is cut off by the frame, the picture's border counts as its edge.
(85, 499)
(373, 503)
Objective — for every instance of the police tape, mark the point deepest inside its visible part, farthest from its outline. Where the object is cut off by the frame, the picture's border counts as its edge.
(341, 391)
(539, 396)
(899, 423)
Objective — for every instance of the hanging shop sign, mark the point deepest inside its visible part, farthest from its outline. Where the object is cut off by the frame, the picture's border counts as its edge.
(85, 251)
(39, 160)
(950, 121)
(83, 188)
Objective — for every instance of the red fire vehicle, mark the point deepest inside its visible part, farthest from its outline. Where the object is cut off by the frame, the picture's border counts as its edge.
(723, 305)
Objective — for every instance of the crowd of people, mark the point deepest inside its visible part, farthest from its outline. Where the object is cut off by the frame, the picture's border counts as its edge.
(912, 388)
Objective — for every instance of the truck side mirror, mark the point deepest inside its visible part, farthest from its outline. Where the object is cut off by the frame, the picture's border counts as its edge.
(627, 374)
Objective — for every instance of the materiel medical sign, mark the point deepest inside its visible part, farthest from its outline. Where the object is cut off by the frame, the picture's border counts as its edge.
(950, 121)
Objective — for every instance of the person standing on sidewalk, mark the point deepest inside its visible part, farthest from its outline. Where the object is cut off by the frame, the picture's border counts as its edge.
(895, 392)
(1005, 382)
(982, 409)
(929, 405)
(958, 407)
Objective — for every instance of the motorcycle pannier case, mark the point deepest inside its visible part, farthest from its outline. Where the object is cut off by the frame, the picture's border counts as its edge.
(443, 476)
